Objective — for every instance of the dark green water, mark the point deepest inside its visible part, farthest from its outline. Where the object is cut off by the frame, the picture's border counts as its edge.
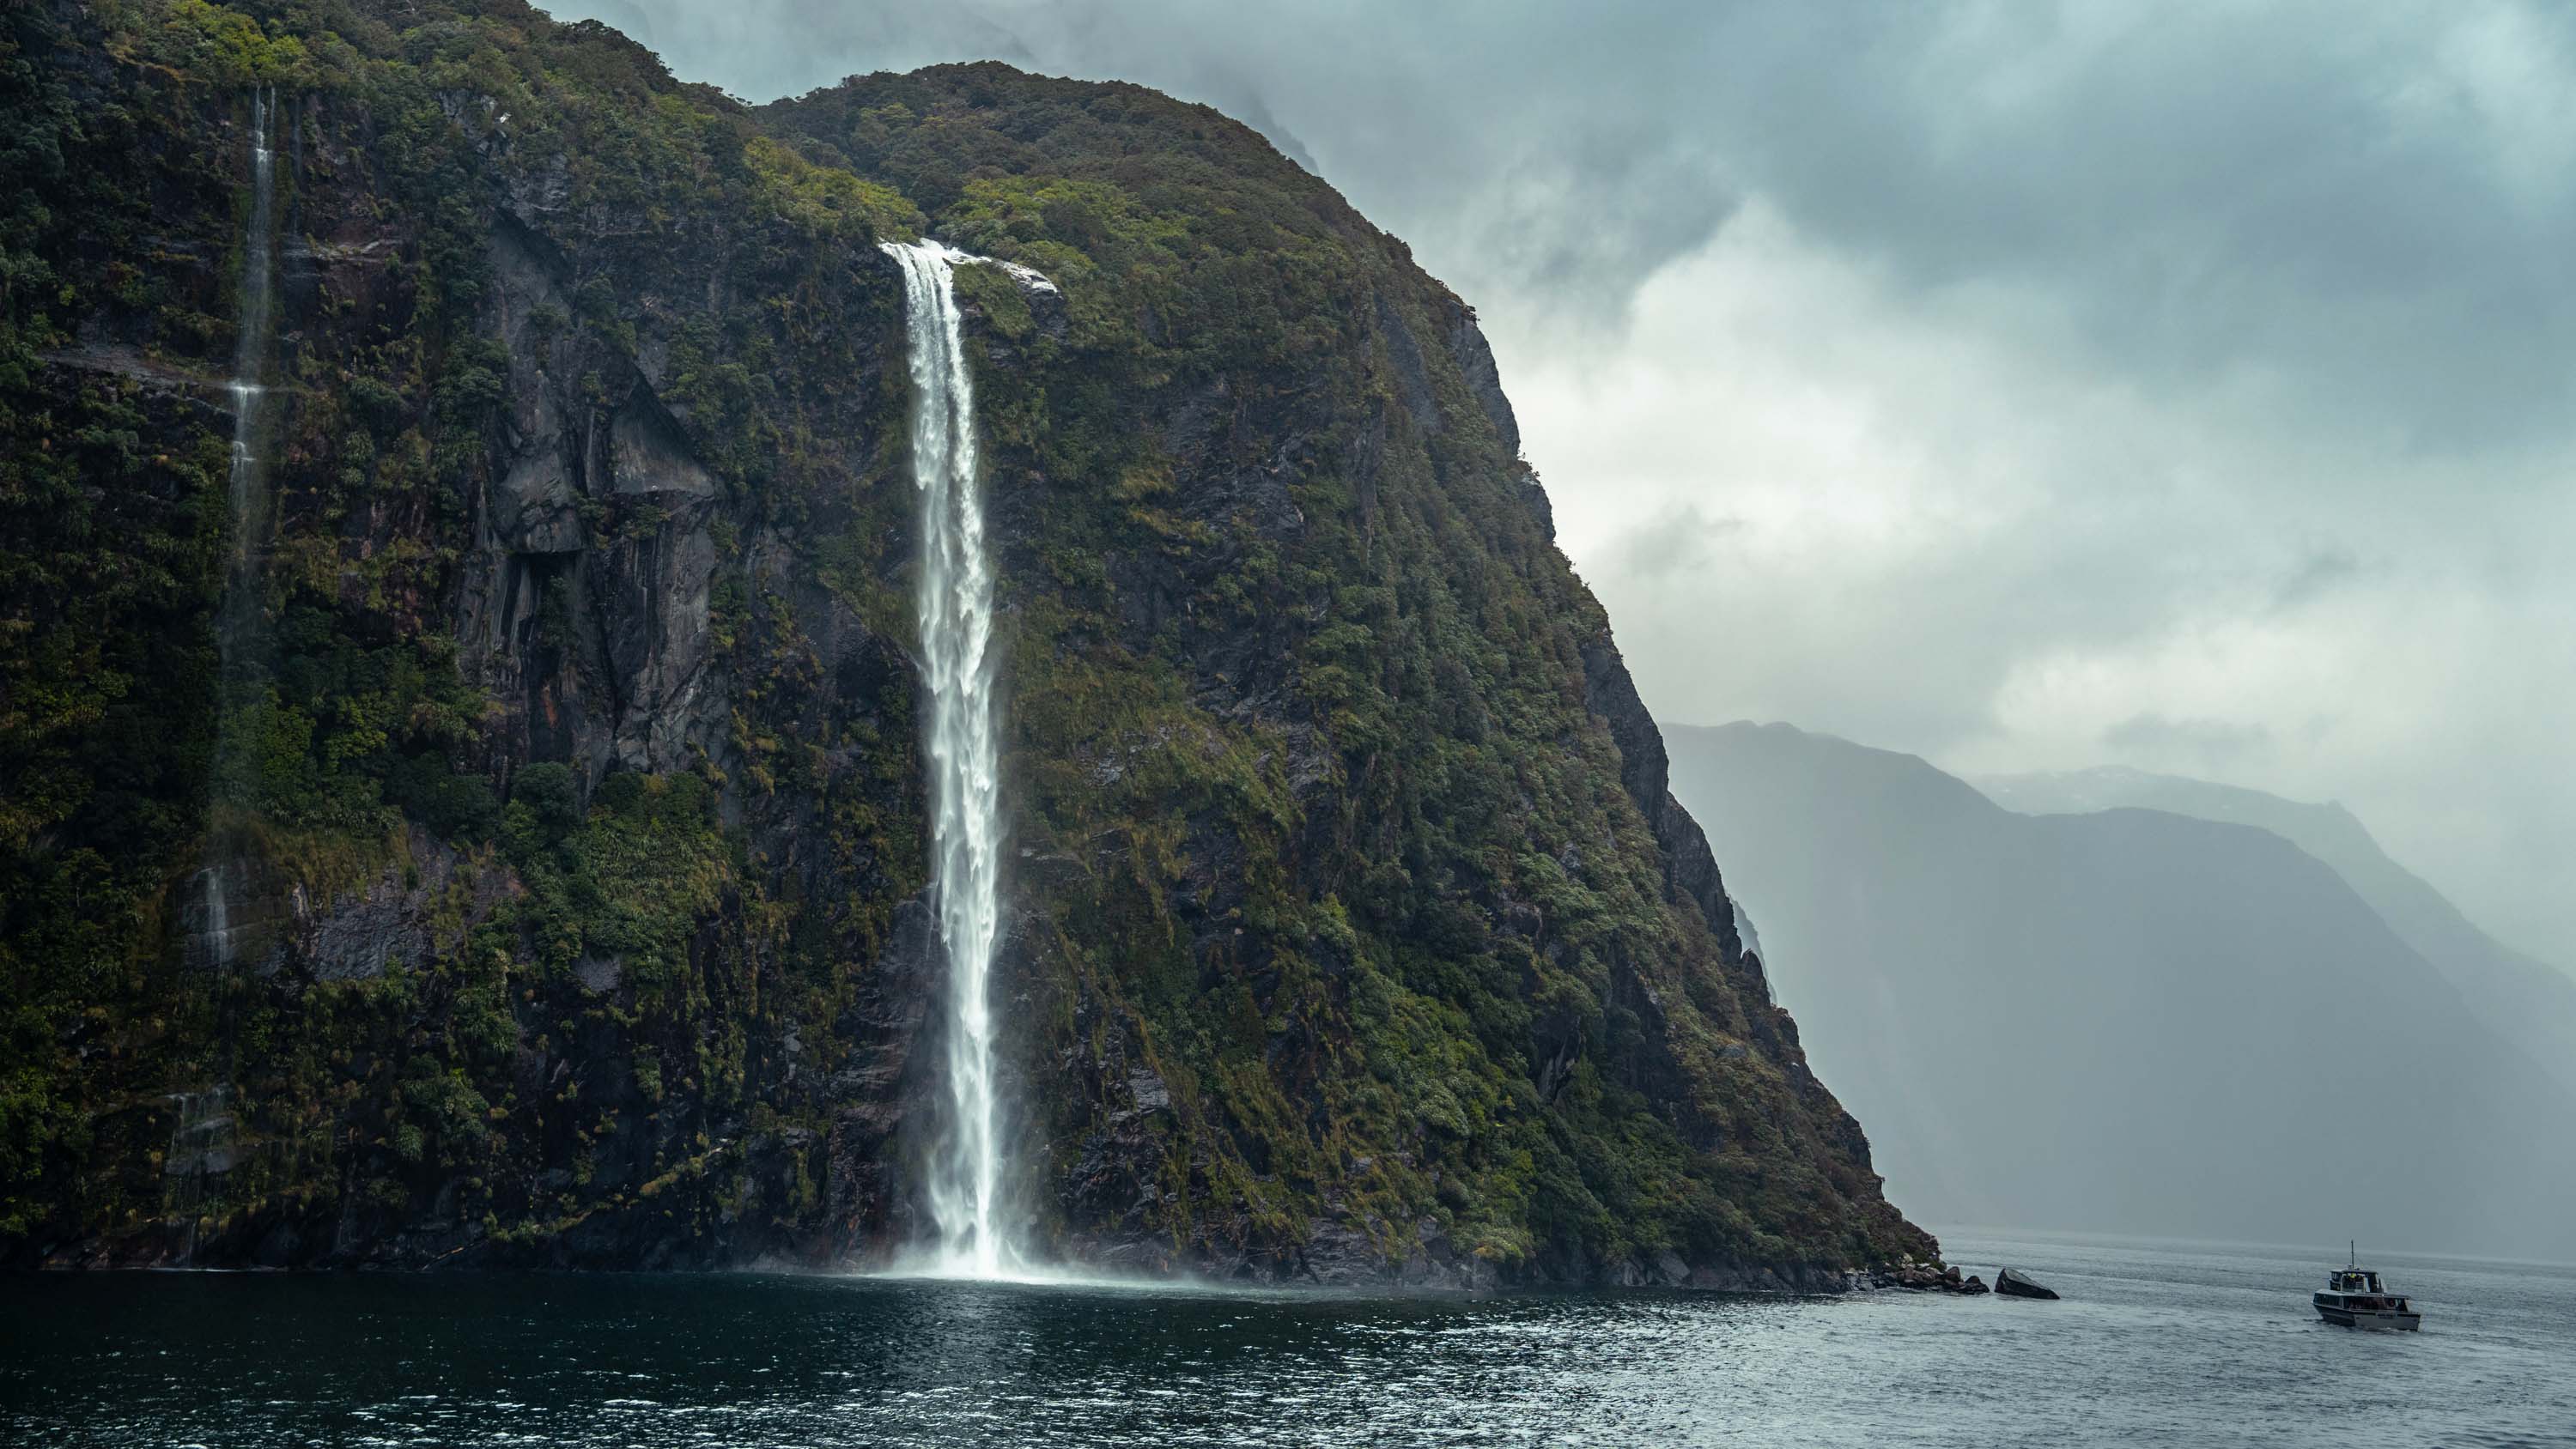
(2168, 1345)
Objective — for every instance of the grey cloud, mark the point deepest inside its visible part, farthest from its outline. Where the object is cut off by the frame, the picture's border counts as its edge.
(2321, 572)
(1680, 541)
(2201, 187)
(2207, 743)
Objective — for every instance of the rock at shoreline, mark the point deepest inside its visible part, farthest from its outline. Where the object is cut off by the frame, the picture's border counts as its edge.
(1929, 1277)
(2013, 1284)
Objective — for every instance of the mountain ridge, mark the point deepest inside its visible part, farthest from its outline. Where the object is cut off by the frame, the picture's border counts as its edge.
(2131, 1021)
(2521, 998)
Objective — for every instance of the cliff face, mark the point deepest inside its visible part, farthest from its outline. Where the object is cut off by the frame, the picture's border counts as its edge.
(573, 884)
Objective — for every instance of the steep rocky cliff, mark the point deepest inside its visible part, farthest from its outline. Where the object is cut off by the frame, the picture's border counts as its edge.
(549, 885)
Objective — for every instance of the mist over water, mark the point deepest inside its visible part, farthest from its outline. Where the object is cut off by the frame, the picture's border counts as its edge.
(953, 600)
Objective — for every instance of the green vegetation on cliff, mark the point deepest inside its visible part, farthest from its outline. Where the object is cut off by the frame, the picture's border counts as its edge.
(581, 849)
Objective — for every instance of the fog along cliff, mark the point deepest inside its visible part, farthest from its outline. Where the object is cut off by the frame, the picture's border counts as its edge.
(576, 908)
(2128, 1020)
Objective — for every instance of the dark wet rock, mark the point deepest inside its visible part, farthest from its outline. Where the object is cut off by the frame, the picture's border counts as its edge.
(1928, 1278)
(1340, 1254)
(1147, 1089)
(2013, 1283)
(599, 973)
(275, 926)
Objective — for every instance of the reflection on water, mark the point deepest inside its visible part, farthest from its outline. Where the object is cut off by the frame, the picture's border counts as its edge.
(2161, 1344)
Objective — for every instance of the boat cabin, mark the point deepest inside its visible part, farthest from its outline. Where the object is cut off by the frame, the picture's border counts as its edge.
(2358, 1288)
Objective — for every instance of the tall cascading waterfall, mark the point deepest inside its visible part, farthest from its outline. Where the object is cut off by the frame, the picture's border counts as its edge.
(953, 604)
(202, 1129)
(240, 624)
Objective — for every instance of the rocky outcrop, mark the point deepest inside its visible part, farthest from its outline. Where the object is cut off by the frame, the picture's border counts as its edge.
(1932, 1278)
(601, 512)
(2014, 1284)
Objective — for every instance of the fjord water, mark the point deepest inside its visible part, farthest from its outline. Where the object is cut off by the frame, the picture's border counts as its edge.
(2153, 1344)
(953, 603)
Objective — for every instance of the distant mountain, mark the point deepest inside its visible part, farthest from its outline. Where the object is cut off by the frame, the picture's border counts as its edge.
(2129, 1020)
(2526, 1001)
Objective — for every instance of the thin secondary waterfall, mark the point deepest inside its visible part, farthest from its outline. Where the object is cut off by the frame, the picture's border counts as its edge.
(240, 626)
(201, 1147)
(953, 604)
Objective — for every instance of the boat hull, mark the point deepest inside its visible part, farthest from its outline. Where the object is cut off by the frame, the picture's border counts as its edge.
(2387, 1318)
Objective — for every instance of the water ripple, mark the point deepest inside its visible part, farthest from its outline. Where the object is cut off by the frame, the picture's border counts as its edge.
(2153, 1345)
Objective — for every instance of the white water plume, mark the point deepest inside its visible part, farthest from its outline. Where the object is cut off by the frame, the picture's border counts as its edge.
(953, 603)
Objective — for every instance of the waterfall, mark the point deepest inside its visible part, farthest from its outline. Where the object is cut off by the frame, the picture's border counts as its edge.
(247, 482)
(240, 624)
(201, 1148)
(953, 604)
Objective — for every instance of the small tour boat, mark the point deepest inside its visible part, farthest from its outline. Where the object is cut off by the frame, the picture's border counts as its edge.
(2354, 1298)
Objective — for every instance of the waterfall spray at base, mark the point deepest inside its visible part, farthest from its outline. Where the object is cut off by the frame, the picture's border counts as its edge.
(240, 625)
(954, 608)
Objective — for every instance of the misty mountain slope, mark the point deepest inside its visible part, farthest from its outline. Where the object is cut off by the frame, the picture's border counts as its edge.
(2129, 1020)
(2524, 1000)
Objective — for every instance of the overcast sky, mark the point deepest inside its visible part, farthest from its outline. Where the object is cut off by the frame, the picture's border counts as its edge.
(2023, 386)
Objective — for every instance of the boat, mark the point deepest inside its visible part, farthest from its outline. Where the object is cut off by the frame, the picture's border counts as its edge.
(2355, 1298)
